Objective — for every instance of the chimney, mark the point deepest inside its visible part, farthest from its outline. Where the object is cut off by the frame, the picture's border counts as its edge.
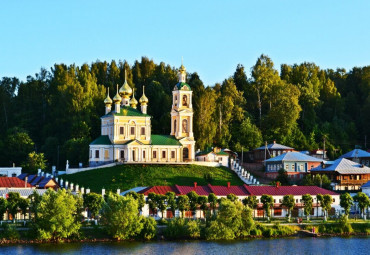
(274, 141)
(277, 184)
(13, 164)
(103, 192)
(25, 181)
(195, 185)
(118, 191)
(228, 185)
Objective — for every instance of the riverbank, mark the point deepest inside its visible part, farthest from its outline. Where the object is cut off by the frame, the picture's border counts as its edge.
(98, 234)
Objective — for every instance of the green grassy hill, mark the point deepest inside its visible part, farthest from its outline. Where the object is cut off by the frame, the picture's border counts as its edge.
(125, 177)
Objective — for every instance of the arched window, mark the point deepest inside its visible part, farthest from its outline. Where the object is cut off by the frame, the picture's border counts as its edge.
(184, 100)
(185, 153)
(185, 126)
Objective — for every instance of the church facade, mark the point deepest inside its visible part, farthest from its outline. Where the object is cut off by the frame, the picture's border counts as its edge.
(126, 131)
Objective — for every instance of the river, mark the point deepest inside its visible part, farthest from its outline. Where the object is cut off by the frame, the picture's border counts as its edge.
(282, 246)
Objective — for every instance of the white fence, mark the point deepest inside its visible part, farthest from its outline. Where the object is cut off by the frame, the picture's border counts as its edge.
(77, 170)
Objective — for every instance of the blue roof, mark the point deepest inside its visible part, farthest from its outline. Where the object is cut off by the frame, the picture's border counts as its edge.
(357, 153)
(44, 182)
(275, 146)
(36, 180)
(344, 166)
(293, 156)
(366, 185)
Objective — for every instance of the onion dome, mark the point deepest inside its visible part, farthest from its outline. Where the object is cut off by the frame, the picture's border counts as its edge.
(143, 99)
(117, 97)
(133, 101)
(125, 91)
(108, 100)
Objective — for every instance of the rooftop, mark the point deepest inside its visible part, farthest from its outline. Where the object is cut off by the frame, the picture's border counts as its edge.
(243, 190)
(127, 111)
(275, 146)
(357, 153)
(366, 185)
(344, 166)
(182, 86)
(13, 182)
(164, 140)
(102, 140)
(294, 156)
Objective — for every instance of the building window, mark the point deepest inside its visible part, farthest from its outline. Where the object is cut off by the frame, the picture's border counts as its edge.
(287, 167)
(143, 131)
(144, 154)
(184, 100)
(90, 154)
(97, 154)
(122, 154)
(277, 211)
(154, 154)
(132, 130)
(106, 154)
(121, 130)
(293, 168)
(163, 154)
(172, 154)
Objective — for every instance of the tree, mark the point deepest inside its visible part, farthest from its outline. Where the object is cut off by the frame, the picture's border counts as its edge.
(120, 217)
(249, 135)
(171, 201)
(35, 161)
(325, 202)
(182, 204)
(203, 204)
(35, 200)
(17, 146)
(307, 202)
(93, 202)
(161, 203)
(3, 207)
(23, 204)
(193, 201)
(268, 203)
(152, 202)
(232, 221)
(212, 200)
(13, 203)
(57, 215)
(346, 202)
(232, 197)
(283, 177)
(251, 202)
(363, 202)
(139, 198)
(289, 203)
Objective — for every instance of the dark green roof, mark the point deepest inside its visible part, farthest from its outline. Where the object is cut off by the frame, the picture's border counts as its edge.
(102, 140)
(222, 153)
(164, 140)
(205, 152)
(180, 85)
(127, 111)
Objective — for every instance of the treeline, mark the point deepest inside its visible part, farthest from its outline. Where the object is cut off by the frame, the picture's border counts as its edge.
(57, 112)
(59, 215)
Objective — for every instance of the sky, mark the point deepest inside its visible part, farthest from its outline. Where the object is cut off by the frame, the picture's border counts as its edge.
(213, 37)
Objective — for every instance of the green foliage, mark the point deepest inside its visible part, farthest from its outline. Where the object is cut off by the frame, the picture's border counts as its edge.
(149, 229)
(346, 201)
(17, 146)
(34, 161)
(3, 207)
(13, 203)
(193, 200)
(126, 177)
(268, 202)
(93, 202)
(193, 229)
(10, 232)
(232, 221)
(289, 202)
(171, 201)
(120, 217)
(318, 180)
(203, 203)
(363, 201)
(183, 204)
(57, 215)
(212, 200)
(35, 200)
(307, 202)
(283, 177)
(176, 229)
(139, 198)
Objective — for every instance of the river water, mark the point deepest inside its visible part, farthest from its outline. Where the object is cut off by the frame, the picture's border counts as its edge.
(333, 245)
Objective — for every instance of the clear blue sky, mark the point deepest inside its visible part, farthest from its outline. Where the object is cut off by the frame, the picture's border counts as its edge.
(212, 36)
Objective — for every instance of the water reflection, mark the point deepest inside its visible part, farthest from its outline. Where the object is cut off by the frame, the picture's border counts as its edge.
(335, 245)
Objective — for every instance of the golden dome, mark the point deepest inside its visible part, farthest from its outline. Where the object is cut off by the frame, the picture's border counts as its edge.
(117, 97)
(133, 101)
(108, 100)
(125, 91)
(143, 99)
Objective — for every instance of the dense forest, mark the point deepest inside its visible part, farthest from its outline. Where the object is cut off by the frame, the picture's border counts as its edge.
(55, 114)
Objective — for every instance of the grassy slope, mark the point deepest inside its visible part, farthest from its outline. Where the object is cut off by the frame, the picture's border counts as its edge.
(125, 177)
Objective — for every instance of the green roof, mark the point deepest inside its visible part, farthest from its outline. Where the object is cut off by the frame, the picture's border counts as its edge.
(127, 111)
(180, 85)
(222, 153)
(102, 140)
(205, 152)
(164, 140)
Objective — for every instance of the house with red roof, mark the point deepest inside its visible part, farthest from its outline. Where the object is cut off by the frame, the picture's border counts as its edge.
(243, 191)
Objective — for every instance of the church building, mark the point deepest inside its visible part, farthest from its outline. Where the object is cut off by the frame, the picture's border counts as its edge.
(126, 131)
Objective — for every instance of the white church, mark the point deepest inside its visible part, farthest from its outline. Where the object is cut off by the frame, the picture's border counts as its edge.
(126, 131)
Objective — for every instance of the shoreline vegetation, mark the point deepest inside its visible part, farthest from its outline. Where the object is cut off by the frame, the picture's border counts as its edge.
(57, 216)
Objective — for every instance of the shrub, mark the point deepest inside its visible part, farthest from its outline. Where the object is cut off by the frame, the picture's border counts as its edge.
(149, 230)
(10, 232)
(193, 229)
(176, 229)
(268, 232)
(162, 221)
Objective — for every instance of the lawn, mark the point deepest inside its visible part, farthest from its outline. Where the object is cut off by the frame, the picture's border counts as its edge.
(125, 177)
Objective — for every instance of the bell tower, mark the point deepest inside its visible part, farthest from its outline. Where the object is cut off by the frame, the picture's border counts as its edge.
(182, 115)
